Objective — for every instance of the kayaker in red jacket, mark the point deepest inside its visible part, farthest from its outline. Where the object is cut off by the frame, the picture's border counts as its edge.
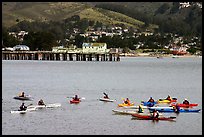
(186, 101)
(168, 98)
(155, 114)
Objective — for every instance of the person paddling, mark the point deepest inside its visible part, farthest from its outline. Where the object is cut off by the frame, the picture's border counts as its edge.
(41, 102)
(127, 101)
(176, 108)
(151, 100)
(155, 114)
(76, 98)
(140, 109)
(186, 101)
(105, 95)
(23, 107)
(169, 98)
(22, 94)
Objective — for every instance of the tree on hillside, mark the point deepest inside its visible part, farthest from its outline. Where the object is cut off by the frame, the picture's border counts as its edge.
(40, 41)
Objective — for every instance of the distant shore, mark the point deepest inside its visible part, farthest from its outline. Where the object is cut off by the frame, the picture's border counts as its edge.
(158, 56)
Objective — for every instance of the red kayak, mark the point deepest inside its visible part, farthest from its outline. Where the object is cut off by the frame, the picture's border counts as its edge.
(149, 117)
(75, 101)
(185, 105)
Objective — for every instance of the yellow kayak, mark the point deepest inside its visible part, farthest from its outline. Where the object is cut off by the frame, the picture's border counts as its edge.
(123, 104)
(165, 101)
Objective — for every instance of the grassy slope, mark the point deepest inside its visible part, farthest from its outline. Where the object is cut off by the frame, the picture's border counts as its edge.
(59, 11)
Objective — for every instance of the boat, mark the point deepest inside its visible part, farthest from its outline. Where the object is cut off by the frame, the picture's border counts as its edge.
(107, 99)
(75, 101)
(23, 98)
(124, 111)
(45, 106)
(149, 117)
(166, 101)
(173, 110)
(23, 111)
(124, 104)
(150, 104)
(185, 105)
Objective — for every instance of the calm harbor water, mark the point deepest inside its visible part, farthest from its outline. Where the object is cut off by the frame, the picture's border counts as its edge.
(136, 78)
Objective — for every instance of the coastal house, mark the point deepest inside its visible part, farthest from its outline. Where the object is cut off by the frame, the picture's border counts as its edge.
(94, 48)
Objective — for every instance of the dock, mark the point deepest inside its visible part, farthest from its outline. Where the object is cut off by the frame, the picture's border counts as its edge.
(59, 56)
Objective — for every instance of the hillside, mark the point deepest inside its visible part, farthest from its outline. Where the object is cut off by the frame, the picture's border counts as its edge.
(14, 12)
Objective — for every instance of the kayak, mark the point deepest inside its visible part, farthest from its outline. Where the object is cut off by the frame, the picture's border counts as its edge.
(150, 104)
(123, 104)
(166, 101)
(149, 117)
(185, 105)
(172, 110)
(135, 107)
(107, 99)
(75, 101)
(124, 111)
(23, 111)
(23, 98)
(45, 106)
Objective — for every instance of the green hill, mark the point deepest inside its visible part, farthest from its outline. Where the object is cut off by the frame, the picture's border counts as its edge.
(14, 12)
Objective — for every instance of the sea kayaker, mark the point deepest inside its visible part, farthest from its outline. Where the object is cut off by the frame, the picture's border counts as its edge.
(176, 108)
(169, 98)
(151, 100)
(76, 98)
(140, 109)
(127, 101)
(41, 102)
(22, 107)
(155, 114)
(105, 95)
(22, 94)
(186, 101)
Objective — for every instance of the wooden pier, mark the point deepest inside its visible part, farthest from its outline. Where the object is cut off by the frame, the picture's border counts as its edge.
(53, 56)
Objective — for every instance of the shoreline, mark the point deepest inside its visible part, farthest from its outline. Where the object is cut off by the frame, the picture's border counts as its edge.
(162, 56)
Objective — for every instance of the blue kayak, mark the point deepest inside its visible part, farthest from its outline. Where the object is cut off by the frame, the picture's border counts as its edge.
(172, 110)
(149, 104)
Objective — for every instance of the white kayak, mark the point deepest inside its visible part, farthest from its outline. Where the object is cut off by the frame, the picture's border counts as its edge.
(46, 106)
(107, 100)
(23, 111)
(124, 111)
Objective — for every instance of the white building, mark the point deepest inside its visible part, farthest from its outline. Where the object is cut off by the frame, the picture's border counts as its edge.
(94, 48)
(21, 47)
